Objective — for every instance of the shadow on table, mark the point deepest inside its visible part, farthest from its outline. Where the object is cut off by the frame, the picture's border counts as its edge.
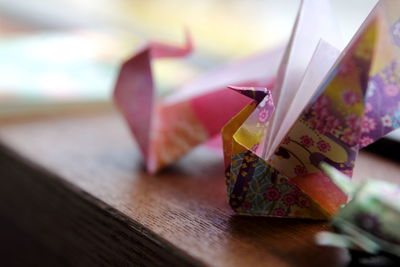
(292, 240)
(385, 147)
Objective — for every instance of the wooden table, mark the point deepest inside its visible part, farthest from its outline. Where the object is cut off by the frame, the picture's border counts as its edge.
(73, 187)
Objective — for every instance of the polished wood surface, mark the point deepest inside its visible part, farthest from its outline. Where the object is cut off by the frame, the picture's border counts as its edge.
(77, 184)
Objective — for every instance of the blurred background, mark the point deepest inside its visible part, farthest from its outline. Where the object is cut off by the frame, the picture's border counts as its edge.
(65, 53)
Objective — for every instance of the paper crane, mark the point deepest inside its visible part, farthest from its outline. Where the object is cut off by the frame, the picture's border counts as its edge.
(167, 128)
(328, 105)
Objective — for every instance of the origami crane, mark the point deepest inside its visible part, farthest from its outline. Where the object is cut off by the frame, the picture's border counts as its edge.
(328, 105)
(369, 223)
(167, 128)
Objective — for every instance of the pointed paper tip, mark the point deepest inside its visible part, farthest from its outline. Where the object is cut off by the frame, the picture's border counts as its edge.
(188, 39)
(162, 50)
(338, 178)
(255, 93)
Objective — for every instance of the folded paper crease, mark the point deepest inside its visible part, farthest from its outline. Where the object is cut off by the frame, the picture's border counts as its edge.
(352, 100)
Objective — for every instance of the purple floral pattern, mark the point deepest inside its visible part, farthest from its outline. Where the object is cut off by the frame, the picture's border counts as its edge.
(395, 30)
(385, 97)
(355, 107)
(357, 103)
(257, 188)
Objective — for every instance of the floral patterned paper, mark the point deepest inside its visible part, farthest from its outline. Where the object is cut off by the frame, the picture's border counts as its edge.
(356, 104)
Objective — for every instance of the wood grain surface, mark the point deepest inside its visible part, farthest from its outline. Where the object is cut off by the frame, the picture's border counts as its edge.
(76, 184)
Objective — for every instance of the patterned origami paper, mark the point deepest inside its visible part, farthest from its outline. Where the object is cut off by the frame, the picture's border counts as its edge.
(369, 223)
(335, 105)
(167, 128)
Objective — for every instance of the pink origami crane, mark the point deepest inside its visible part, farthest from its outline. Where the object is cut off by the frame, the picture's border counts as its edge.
(167, 128)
